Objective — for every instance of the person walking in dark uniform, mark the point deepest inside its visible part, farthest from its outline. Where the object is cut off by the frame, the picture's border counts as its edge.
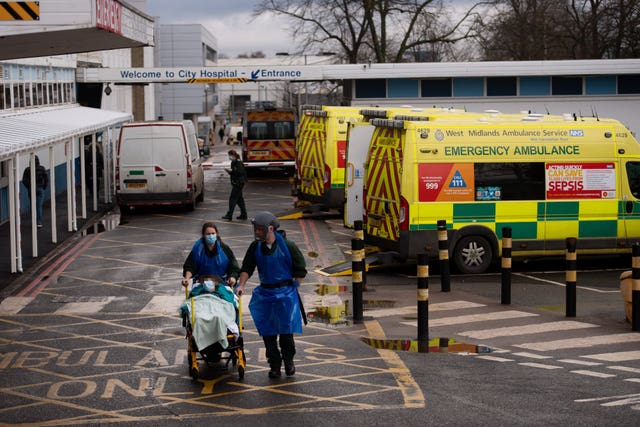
(238, 177)
(42, 180)
(275, 304)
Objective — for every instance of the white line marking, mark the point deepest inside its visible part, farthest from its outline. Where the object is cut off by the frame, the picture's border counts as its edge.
(625, 369)
(552, 282)
(527, 329)
(484, 317)
(165, 304)
(579, 362)
(581, 342)
(12, 305)
(593, 374)
(539, 365)
(86, 306)
(441, 306)
(621, 356)
(531, 355)
(633, 380)
(495, 359)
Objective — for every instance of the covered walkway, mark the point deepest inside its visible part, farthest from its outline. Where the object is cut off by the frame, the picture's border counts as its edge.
(69, 142)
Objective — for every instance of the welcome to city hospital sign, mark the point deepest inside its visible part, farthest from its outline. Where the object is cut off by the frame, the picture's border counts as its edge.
(203, 74)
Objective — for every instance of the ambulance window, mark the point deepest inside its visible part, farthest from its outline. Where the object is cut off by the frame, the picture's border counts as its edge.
(633, 175)
(509, 181)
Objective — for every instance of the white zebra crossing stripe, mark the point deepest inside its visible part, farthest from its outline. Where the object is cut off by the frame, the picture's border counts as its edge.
(539, 365)
(495, 359)
(12, 305)
(580, 362)
(471, 318)
(593, 374)
(531, 355)
(165, 304)
(621, 356)
(625, 369)
(581, 342)
(94, 305)
(527, 329)
(440, 306)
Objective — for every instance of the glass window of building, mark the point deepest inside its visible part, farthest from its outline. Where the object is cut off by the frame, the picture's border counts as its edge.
(629, 83)
(502, 86)
(566, 85)
(436, 88)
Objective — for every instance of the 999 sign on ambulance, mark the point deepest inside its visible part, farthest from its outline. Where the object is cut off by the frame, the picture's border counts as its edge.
(546, 177)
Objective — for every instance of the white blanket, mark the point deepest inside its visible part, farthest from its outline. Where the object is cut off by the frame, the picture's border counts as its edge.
(213, 316)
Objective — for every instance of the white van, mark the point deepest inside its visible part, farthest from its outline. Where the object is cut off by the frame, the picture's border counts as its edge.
(158, 163)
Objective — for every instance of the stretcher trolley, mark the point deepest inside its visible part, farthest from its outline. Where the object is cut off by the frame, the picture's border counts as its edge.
(212, 318)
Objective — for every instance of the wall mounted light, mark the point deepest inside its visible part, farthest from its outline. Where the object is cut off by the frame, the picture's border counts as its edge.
(107, 90)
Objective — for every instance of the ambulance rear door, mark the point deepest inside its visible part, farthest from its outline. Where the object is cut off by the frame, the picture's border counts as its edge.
(357, 148)
(383, 174)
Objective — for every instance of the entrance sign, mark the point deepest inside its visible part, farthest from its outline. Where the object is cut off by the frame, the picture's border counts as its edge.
(203, 74)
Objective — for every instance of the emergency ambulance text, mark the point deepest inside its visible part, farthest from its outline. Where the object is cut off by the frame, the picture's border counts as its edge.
(518, 150)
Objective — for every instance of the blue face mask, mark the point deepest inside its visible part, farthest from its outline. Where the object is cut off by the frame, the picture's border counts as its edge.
(210, 238)
(231, 158)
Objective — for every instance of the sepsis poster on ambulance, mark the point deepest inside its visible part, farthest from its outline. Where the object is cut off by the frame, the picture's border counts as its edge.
(581, 180)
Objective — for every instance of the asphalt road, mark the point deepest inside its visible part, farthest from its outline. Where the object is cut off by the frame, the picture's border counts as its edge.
(98, 341)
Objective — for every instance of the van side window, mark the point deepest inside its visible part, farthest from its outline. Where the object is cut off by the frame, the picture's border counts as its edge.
(633, 177)
(509, 181)
(193, 147)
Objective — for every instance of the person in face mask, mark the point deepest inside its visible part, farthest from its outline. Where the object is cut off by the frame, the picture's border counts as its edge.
(275, 304)
(210, 260)
(238, 176)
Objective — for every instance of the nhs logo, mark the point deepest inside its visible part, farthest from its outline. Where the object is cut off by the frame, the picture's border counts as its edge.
(576, 132)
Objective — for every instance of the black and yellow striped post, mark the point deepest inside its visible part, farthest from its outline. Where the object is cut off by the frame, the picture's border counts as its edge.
(505, 292)
(423, 303)
(443, 256)
(358, 233)
(571, 276)
(357, 267)
(635, 288)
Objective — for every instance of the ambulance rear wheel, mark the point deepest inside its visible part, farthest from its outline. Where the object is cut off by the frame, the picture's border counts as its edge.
(473, 254)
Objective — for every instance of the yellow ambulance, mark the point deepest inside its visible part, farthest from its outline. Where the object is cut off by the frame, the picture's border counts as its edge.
(546, 177)
(320, 159)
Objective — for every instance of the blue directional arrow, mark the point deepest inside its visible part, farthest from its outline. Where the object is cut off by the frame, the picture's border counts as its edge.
(254, 74)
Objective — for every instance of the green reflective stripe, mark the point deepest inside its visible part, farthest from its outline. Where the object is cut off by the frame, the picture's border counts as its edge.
(337, 185)
(519, 230)
(541, 210)
(598, 229)
(562, 211)
(622, 210)
(482, 212)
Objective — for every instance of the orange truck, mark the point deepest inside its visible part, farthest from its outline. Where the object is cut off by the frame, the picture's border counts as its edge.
(269, 138)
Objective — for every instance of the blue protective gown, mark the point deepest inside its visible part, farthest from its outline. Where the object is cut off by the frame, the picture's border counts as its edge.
(210, 266)
(275, 311)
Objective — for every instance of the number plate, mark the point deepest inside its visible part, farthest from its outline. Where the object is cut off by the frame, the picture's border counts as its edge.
(374, 222)
(137, 185)
(261, 153)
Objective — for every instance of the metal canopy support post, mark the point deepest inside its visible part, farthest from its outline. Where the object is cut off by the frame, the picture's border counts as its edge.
(52, 193)
(34, 218)
(83, 175)
(12, 214)
(68, 156)
(94, 172)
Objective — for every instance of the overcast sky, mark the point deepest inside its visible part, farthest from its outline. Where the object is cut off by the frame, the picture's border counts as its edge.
(230, 22)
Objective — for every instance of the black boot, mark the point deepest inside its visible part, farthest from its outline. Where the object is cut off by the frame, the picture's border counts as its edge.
(289, 368)
(274, 372)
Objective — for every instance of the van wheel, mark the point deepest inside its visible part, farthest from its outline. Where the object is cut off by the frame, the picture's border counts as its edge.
(200, 197)
(191, 206)
(473, 254)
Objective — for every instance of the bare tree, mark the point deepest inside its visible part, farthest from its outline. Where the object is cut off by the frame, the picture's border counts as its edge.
(567, 29)
(373, 30)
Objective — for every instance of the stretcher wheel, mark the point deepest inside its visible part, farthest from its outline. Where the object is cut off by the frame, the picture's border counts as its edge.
(240, 372)
(194, 371)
